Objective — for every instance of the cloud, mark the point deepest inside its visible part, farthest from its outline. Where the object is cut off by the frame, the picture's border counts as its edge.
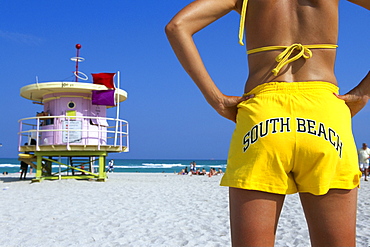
(20, 38)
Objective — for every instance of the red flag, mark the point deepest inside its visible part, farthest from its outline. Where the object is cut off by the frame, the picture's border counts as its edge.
(104, 79)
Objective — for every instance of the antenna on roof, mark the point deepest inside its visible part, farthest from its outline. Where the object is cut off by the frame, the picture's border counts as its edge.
(78, 59)
(78, 47)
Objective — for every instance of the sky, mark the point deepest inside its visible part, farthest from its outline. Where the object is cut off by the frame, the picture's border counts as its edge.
(168, 117)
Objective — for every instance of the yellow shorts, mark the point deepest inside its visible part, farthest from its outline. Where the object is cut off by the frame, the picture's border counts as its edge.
(293, 137)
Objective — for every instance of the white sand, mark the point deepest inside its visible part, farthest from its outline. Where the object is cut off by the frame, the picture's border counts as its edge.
(138, 209)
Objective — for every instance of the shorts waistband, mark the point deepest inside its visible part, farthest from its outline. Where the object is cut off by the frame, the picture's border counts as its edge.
(291, 87)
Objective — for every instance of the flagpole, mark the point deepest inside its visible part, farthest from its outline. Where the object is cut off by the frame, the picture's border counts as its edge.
(116, 98)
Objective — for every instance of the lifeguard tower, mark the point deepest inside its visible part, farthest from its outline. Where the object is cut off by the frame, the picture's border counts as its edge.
(72, 132)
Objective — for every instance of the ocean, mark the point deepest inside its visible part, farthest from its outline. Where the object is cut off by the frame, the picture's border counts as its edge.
(12, 165)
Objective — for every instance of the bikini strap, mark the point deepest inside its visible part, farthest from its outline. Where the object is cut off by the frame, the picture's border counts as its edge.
(284, 57)
(242, 21)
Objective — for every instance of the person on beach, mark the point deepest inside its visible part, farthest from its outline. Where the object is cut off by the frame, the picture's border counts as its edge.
(193, 169)
(182, 172)
(24, 168)
(197, 171)
(204, 172)
(220, 172)
(110, 166)
(290, 100)
(363, 159)
(212, 172)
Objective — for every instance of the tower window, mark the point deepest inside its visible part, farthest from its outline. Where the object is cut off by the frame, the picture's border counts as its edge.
(71, 105)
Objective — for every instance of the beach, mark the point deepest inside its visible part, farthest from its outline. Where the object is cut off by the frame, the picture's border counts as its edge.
(138, 209)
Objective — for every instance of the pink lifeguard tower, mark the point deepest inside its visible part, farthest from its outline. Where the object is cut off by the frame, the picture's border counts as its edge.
(72, 132)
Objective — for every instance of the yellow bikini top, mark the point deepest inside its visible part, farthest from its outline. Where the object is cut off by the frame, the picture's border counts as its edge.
(284, 57)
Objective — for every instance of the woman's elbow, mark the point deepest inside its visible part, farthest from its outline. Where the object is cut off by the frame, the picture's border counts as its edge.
(175, 27)
(171, 28)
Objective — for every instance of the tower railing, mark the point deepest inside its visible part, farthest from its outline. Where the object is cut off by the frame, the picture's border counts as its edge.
(73, 133)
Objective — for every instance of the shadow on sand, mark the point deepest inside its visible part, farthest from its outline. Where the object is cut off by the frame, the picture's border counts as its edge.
(13, 179)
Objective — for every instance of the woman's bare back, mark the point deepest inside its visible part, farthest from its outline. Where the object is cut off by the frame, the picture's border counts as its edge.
(286, 22)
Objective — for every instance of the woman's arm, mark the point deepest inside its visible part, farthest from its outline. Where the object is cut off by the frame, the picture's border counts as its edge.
(357, 98)
(180, 30)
